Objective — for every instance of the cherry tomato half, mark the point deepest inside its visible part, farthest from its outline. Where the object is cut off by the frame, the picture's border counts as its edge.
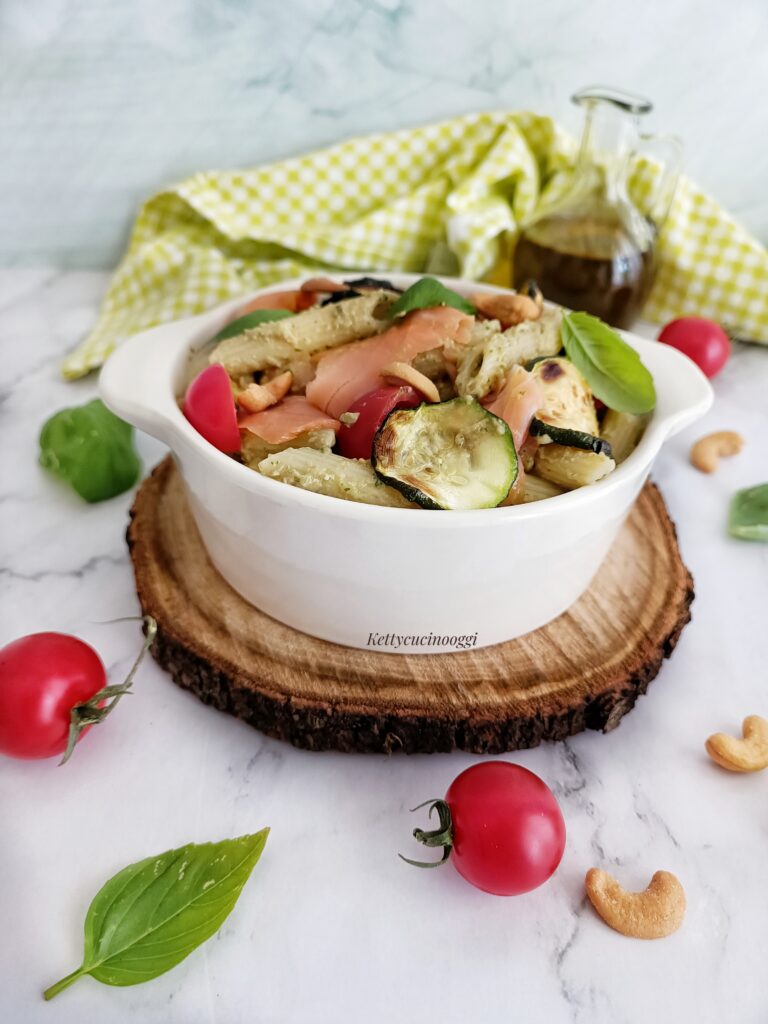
(42, 677)
(356, 440)
(210, 408)
(703, 341)
(501, 826)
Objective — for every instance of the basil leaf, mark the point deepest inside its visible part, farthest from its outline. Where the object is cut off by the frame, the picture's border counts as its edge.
(427, 293)
(92, 449)
(611, 367)
(258, 316)
(153, 914)
(748, 516)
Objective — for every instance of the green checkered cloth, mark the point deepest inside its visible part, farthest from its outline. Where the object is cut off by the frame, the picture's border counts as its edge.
(447, 198)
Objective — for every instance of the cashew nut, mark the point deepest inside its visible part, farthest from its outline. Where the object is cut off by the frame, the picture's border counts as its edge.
(742, 755)
(707, 450)
(509, 310)
(652, 914)
(258, 397)
(410, 375)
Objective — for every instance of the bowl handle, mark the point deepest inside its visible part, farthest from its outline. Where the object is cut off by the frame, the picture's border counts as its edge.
(136, 382)
(693, 394)
(684, 393)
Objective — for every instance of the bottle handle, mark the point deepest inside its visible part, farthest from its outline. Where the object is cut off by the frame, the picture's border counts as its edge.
(667, 152)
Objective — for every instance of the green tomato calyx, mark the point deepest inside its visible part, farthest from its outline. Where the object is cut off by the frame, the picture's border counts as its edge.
(439, 837)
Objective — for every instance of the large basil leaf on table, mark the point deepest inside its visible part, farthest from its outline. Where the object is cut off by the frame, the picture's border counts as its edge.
(154, 913)
(748, 516)
(92, 449)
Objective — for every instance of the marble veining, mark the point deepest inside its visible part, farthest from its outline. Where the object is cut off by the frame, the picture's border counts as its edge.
(332, 925)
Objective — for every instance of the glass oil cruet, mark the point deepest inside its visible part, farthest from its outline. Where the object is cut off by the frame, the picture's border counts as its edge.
(592, 248)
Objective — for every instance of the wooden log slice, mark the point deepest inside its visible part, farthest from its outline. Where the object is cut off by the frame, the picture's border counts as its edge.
(585, 670)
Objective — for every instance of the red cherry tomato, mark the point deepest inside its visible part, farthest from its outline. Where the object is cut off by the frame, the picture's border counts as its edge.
(502, 827)
(356, 440)
(42, 677)
(703, 341)
(210, 408)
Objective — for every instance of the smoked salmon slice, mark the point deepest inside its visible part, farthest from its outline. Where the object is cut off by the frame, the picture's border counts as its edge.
(323, 284)
(294, 301)
(517, 403)
(292, 416)
(346, 374)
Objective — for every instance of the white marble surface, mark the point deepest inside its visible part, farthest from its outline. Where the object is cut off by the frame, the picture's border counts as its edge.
(332, 926)
(102, 103)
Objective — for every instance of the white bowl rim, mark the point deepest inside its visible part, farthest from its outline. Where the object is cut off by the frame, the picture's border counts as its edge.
(240, 475)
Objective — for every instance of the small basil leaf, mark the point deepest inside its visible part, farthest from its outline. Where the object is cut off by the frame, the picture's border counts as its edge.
(427, 293)
(92, 449)
(748, 517)
(153, 914)
(612, 368)
(258, 316)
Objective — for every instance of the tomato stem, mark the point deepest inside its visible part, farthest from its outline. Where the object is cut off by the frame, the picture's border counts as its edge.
(438, 837)
(89, 712)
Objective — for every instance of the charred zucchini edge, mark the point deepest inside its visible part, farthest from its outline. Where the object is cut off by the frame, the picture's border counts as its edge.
(501, 438)
(571, 438)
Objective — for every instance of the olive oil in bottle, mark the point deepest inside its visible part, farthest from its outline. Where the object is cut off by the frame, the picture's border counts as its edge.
(589, 264)
(592, 248)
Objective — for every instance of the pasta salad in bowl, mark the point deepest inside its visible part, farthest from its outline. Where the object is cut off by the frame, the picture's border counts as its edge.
(316, 423)
(419, 398)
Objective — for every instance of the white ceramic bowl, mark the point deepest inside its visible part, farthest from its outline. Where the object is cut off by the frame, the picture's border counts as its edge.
(354, 573)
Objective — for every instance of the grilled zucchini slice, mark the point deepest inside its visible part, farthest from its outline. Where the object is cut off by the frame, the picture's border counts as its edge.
(568, 402)
(448, 455)
(549, 434)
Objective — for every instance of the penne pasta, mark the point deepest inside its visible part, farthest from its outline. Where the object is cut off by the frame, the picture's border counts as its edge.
(536, 488)
(433, 364)
(566, 398)
(279, 342)
(571, 467)
(622, 430)
(486, 362)
(324, 473)
(254, 449)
